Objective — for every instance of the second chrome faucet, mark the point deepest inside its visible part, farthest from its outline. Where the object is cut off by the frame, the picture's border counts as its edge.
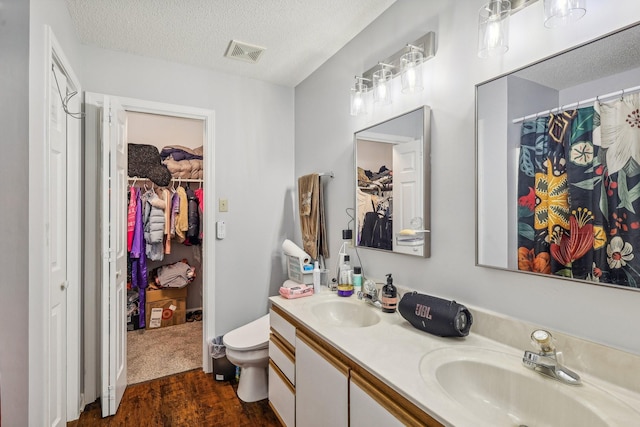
(548, 361)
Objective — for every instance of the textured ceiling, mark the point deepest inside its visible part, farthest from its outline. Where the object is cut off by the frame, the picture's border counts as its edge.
(299, 35)
(605, 57)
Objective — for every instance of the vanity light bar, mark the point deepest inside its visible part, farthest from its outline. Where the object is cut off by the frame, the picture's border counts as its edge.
(426, 43)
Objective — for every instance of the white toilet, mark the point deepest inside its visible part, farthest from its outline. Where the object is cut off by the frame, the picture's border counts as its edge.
(248, 348)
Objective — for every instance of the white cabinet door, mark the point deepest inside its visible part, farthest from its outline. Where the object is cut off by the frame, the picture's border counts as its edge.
(322, 382)
(366, 411)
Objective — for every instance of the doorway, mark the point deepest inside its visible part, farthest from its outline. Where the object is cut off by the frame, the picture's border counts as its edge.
(97, 381)
(164, 338)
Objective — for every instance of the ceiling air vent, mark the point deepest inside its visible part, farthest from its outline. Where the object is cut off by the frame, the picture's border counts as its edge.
(244, 51)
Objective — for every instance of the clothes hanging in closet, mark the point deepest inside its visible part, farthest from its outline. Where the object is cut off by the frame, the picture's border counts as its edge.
(154, 225)
(137, 256)
(193, 218)
(182, 216)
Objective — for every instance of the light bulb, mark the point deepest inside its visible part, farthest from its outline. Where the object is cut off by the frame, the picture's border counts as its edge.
(493, 35)
(358, 104)
(381, 89)
(411, 75)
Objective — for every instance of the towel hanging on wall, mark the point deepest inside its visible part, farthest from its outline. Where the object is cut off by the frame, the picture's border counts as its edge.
(312, 224)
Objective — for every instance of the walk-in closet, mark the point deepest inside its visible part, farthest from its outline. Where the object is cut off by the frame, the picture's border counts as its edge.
(164, 238)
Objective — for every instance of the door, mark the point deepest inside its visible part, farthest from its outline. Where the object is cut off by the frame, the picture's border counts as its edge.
(57, 256)
(408, 194)
(114, 256)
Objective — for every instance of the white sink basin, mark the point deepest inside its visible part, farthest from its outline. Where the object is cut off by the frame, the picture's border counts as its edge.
(345, 314)
(493, 388)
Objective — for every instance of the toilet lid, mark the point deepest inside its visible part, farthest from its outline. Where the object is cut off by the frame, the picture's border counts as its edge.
(252, 336)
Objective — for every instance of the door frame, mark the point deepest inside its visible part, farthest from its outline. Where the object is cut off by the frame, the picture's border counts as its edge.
(208, 225)
(92, 324)
(39, 283)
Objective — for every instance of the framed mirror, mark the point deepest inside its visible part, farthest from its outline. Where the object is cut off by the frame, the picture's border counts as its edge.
(392, 170)
(558, 165)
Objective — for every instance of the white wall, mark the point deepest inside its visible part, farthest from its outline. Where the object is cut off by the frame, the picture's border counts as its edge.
(253, 166)
(14, 263)
(324, 138)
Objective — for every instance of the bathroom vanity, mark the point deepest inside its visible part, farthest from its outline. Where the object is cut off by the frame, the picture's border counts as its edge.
(339, 362)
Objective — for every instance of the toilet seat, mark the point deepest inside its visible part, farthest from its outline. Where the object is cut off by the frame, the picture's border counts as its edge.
(252, 336)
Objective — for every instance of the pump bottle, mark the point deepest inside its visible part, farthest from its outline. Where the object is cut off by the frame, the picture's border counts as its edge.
(389, 296)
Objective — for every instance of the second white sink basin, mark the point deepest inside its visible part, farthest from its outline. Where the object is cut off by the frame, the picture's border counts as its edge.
(350, 314)
(488, 387)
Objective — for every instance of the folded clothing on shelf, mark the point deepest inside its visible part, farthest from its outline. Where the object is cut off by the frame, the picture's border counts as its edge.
(296, 291)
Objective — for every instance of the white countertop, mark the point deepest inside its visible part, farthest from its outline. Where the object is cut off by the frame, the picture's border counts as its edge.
(392, 350)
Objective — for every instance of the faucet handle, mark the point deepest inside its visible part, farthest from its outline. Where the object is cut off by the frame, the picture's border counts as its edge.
(543, 340)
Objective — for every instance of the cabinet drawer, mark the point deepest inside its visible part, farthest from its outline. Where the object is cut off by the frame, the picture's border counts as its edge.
(281, 356)
(282, 398)
(282, 327)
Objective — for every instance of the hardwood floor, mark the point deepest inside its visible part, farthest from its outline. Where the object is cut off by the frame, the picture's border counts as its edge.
(191, 399)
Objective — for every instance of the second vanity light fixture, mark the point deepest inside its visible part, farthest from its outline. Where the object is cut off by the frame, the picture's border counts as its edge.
(379, 79)
(493, 21)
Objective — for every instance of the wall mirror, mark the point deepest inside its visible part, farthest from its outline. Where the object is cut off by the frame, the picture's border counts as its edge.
(392, 163)
(558, 165)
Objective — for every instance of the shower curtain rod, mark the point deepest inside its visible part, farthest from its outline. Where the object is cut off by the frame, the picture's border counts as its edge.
(575, 104)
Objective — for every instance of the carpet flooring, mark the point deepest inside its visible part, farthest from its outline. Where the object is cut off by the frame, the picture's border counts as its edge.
(156, 353)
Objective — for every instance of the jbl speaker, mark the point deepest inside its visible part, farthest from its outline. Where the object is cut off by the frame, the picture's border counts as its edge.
(436, 316)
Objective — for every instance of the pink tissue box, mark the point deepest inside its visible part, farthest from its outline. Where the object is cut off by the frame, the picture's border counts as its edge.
(296, 291)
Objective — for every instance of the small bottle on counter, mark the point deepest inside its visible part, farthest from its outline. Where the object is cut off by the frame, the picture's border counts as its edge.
(345, 278)
(389, 296)
(357, 279)
(316, 278)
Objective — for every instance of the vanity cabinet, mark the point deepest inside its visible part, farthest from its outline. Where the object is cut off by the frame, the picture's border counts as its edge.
(322, 391)
(312, 383)
(282, 380)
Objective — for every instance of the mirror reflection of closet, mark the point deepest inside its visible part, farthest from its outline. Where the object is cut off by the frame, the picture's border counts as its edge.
(392, 162)
(604, 72)
(162, 131)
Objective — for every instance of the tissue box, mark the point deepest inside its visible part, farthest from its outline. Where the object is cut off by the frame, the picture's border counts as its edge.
(165, 307)
(295, 269)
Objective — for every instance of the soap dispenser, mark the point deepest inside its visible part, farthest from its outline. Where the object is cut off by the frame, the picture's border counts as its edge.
(389, 296)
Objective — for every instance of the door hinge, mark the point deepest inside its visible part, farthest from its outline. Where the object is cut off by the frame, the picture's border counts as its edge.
(109, 255)
(110, 116)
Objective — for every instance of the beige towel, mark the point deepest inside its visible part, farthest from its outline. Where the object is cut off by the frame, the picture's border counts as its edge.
(312, 223)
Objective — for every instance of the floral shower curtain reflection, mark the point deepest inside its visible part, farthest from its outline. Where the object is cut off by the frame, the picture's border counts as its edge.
(579, 193)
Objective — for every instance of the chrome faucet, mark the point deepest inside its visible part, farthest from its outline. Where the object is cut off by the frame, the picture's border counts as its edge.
(548, 361)
(370, 294)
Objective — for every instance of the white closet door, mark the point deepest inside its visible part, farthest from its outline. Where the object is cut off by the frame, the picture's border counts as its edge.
(57, 253)
(114, 272)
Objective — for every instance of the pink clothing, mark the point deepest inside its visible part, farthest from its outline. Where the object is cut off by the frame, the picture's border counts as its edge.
(200, 195)
(131, 217)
